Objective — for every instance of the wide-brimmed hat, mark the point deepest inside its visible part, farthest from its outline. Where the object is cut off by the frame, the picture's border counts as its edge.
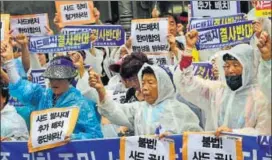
(60, 68)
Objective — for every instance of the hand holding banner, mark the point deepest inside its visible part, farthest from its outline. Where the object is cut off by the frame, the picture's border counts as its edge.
(207, 146)
(146, 148)
(48, 128)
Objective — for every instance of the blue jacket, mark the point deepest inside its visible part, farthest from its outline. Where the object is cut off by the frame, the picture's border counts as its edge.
(88, 123)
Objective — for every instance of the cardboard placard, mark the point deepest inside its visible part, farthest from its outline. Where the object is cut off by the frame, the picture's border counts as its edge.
(50, 127)
(75, 12)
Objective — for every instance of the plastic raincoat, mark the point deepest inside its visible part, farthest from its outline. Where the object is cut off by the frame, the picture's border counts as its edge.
(264, 78)
(12, 124)
(40, 98)
(245, 110)
(143, 118)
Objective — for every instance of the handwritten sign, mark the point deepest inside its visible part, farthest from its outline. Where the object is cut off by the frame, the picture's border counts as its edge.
(37, 77)
(107, 35)
(146, 148)
(59, 43)
(207, 146)
(214, 8)
(224, 35)
(263, 9)
(75, 12)
(149, 35)
(4, 25)
(33, 24)
(48, 128)
(199, 22)
(203, 70)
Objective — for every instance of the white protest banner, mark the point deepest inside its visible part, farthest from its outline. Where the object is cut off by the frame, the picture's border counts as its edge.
(207, 146)
(37, 77)
(149, 35)
(32, 24)
(117, 95)
(48, 128)
(146, 148)
(263, 9)
(4, 25)
(199, 22)
(75, 12)
(214, 8)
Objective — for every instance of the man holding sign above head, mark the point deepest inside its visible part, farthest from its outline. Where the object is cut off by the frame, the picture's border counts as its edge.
(235, 102)
(159, 109)
(60, 73)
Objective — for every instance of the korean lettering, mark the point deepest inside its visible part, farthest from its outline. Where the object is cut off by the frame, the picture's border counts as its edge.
(157, 48)
(50, 137)
(147, 143)
(155, 157)
(135, 155)
(150, 26)
(221, 156)
(212, 142)
(148, 38)
(201, 156)
(24, 21)
(161, 61)
(144, 48)
(55, 115)
(213, 5)
(76, 11)
(5, 155)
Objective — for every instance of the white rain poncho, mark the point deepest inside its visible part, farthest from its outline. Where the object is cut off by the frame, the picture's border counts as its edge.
(144, 118)
(12, 124)
(245, 110)
(264, 78)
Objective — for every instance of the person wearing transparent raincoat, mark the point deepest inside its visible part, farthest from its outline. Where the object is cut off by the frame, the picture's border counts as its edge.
(160, 109)
(13, 126)
(235, 102)
(60, 73)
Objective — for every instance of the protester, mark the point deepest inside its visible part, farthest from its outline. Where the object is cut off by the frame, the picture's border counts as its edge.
(159, 108)
(60, 94)
(236, 103)
(13, 126)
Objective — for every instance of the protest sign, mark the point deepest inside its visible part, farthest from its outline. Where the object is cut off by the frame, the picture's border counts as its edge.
(149, 35)
(59, 43)
(159, 59)
(224, 35)
(107, 35)
(32, 24)
(198, 22)
(263, 9)
(4, 25)
(203, 70)
(117, 95)
(37, 77)
(48, 128)
(146, 148)
(75, 12)
(207, 146)
(214, 8)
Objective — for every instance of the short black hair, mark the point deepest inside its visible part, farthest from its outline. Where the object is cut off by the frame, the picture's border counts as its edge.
(4, 91)
(167, 14)
(147, 70)
(132, 64)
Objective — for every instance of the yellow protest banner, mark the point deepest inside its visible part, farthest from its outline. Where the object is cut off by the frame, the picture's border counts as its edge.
(75, 12)
(203, 145)
(263, 9)
(145, 147)
(4, 25)
(30, 24)
(50, 127)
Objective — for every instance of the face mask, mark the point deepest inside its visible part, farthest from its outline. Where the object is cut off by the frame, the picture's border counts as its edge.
(234, 82)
